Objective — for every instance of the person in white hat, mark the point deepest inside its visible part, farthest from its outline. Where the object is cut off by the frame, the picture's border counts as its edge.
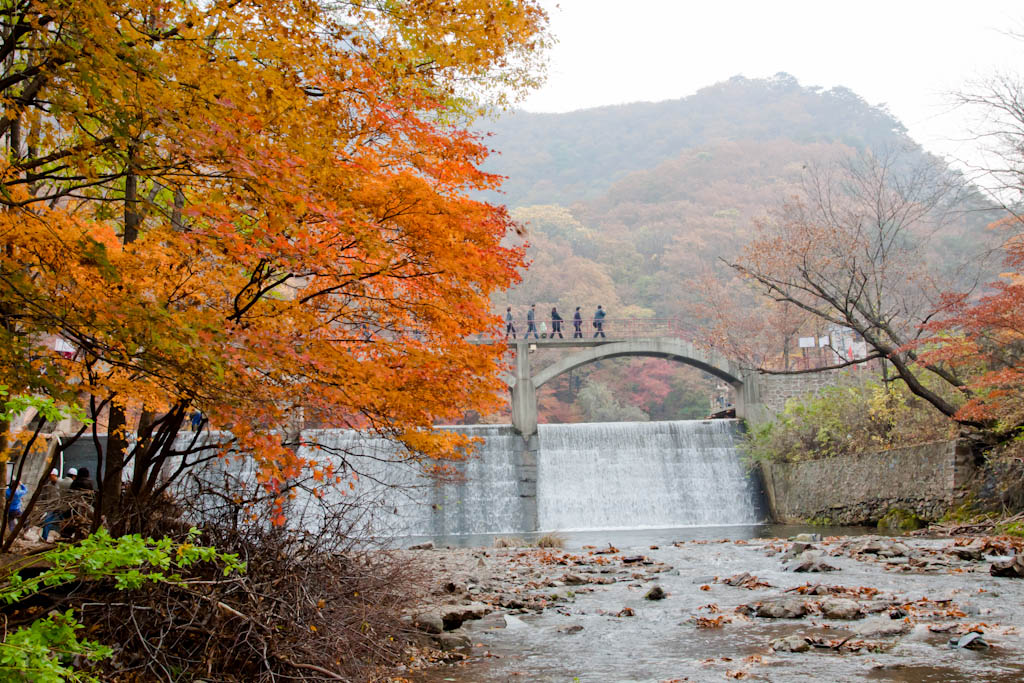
(48, 502)
(65, 482)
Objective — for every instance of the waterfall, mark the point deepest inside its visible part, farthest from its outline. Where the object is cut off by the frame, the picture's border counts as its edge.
(484, 500)
(621, 475)
(625, 475)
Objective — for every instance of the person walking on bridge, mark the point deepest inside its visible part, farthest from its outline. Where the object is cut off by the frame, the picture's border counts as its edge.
(577, 320)
(556, 323)
(599, 322)
(531, 325)
(509, 327)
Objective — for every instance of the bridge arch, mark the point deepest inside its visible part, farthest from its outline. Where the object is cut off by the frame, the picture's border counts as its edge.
(671, 349)
(523, 383)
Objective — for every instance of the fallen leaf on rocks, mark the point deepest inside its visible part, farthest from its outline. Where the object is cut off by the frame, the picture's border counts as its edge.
(709, 622)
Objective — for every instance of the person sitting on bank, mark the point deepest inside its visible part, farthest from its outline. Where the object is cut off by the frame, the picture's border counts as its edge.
(83, 482)
(64, 483)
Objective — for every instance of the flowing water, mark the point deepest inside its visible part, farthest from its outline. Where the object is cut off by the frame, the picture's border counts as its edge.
(630, 475)
(582, 640)
(636, 475)
(485, 500)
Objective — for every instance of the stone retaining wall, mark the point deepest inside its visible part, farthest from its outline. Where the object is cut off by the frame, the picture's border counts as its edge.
(927, 479)
(775, 390)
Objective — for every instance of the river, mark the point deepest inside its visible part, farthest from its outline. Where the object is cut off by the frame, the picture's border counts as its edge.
(581, 638)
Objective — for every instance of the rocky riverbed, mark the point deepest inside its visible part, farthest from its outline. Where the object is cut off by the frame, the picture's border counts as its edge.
(805, 608)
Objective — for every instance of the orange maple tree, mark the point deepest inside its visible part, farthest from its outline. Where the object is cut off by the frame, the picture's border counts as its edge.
(982, 336)
(259, 210)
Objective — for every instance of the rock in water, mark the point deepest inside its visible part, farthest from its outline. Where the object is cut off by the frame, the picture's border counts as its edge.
(841, 608)
(792, 608)
(807, 538)
(791, 644)
(971, 640)
(1012, 568)
(882, 627)
(656, 593)
(809, 566)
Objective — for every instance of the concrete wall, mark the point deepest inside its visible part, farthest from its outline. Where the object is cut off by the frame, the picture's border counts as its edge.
(926, 479)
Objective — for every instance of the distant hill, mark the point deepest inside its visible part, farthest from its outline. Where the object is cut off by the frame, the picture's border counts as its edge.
(565, 158)
(628, 206)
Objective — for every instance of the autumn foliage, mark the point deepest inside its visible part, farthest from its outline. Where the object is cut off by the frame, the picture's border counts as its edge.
(256, 210)
(983, 336)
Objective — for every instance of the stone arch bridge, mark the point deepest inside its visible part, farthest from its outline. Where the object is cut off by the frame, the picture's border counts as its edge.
(624, 338)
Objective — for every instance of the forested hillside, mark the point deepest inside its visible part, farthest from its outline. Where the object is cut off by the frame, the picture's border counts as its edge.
(565, 158)
(631, 206)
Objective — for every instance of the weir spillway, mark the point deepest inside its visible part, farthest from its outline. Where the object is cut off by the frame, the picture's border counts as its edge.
(625, 475)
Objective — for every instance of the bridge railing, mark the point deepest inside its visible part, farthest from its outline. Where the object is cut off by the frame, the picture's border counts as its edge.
(618, 328)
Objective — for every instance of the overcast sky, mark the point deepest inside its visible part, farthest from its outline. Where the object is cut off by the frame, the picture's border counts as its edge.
(908, 54)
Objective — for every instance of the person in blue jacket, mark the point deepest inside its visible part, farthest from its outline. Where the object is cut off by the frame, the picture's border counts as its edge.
(577, 320)
(599, 321)
(19, 492)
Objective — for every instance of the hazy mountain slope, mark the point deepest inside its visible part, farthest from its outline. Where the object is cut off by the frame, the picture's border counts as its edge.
(564, 158)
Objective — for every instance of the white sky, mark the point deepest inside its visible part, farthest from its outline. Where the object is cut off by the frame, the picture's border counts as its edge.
(908, 54)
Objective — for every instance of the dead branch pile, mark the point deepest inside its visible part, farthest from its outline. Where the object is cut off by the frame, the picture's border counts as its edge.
(316, 603)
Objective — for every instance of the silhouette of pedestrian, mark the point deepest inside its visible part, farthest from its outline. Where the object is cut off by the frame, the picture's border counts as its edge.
(509, 327)
(599, 322)
(556, 324)
(530, 325)
(577, 320)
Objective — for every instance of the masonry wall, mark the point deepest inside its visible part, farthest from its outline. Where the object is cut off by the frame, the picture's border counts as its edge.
(775, 390)
(927, 479)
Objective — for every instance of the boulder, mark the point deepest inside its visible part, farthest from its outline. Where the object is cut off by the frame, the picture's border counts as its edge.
(422, 546)
(452, 641)
(882, 627)
(807, 538)
(791, 644)
(570, 629)
(970, 553)
(899, 519)
(809, 565)
(573, 580)
(1012, 568)
(841, 608)
(796, 550)
(790, 608)
(971, 640)
(454, 615)
(429, 622)
(656, 593)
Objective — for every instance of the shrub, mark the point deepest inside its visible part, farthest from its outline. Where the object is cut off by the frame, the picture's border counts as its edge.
(550, 541)
(848, 419)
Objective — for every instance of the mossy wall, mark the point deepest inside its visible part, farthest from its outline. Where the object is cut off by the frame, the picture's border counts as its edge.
(924, 480)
